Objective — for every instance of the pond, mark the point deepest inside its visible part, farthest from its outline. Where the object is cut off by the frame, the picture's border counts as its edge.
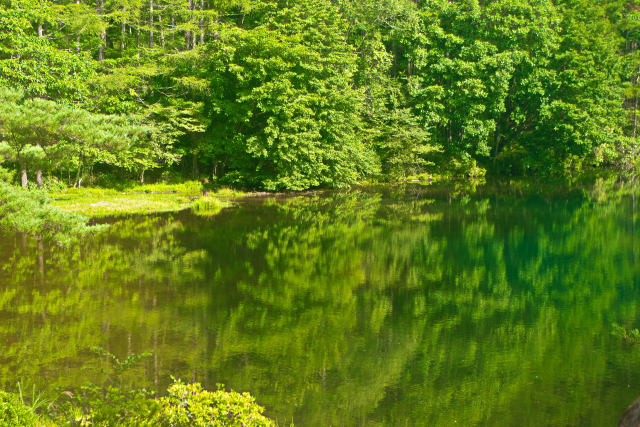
(402, 305)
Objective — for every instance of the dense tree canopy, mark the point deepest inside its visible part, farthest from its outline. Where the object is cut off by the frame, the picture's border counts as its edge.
(298, 94)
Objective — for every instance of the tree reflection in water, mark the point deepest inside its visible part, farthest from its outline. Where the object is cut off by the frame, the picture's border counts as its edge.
(395, 306)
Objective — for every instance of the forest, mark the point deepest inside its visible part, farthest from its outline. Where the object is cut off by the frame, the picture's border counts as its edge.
(297, 94)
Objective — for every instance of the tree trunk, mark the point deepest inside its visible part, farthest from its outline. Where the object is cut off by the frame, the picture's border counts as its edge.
(142, 177)
(103, 33)
(39, 178)
(78, 179)
(123, 32)
(103, 41)
(194, 34)
(187, 35)
(201, 21)
(78, 37)
(25, 179)
(196, 169)
(40, 30)
(151, 24)
(634, 46)
(173, 28)
(161, 31)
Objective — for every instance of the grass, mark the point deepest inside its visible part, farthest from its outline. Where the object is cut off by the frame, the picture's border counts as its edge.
(209, 205)
(183, 187)
(143, 199)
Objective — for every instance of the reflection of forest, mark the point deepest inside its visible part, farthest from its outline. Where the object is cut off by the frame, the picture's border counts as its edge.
(349, 308)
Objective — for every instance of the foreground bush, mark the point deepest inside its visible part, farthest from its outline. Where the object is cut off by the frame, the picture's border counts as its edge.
(30, 212)
(15, 413)
(185, 405)
(190, 405)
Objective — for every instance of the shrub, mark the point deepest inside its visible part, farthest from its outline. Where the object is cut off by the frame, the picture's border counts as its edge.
(93, 405)
(6, 175)
(53, 183)
(30, 212)
(190, 405)
(13, 412)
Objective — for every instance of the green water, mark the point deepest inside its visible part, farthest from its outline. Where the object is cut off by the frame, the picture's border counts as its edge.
(397, 306)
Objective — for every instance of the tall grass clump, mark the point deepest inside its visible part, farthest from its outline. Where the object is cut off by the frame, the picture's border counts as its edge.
(208, 206)
(14, 412)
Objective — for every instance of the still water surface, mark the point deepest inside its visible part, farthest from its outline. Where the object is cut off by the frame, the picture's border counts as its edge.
(392, 306)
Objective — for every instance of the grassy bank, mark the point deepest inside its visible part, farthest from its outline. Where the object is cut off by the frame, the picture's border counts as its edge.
(144, 199)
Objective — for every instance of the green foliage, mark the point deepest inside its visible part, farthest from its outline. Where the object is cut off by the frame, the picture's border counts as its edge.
(43, 134)
(629, 336)
(113, 402)
(144, 199)
(190, 405)
(36, 64)
(117, 366)
(161, 187)
(13, 412)
(208, 205)
(519, 86)
(107, 406)
(297, 94)
(31, 212)
(6, 175)
(284, 114)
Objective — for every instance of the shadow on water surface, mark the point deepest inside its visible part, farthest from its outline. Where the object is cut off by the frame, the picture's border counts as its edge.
(392, 306)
